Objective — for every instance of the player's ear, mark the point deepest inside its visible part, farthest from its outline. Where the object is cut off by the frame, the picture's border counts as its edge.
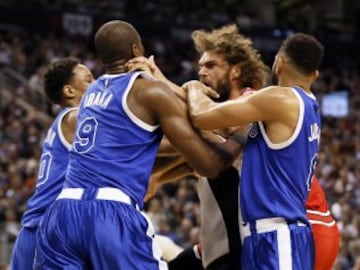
(68, 91)
(137, 51)
(235, 72)
(279, 64)
(316, 75)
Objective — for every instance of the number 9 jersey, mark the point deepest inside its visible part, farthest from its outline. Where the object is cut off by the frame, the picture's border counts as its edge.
(112, 147)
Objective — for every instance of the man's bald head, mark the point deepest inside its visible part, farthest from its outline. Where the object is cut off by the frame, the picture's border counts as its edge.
(117, 40)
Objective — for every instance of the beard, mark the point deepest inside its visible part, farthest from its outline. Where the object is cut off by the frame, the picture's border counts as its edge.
(223, 89)
(224, 93)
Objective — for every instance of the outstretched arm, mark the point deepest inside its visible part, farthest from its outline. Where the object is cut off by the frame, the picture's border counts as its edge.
(268, 104)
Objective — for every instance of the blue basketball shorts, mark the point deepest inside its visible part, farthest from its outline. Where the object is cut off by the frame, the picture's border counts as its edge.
(22, 257)
(83, 230)
(274, 244)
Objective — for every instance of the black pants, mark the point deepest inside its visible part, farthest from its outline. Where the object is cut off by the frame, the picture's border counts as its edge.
(225, 190)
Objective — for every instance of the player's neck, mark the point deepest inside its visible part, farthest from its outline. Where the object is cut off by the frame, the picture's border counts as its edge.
(116, 67)
(291, 82)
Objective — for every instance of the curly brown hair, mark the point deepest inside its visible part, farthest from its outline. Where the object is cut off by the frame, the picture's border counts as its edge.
(236, 49)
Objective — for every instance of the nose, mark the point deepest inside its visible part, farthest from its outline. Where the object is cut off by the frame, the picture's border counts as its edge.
(202, 72)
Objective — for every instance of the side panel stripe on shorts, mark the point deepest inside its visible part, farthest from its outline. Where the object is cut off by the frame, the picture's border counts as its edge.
(284, 248)
(157, 253)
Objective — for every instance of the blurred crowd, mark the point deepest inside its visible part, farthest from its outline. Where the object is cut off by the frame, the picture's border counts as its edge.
(174, 211)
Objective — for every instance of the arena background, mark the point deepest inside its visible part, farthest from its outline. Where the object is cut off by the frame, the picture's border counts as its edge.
(35, 33)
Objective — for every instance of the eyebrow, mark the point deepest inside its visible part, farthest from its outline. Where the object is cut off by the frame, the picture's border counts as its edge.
(209, 62)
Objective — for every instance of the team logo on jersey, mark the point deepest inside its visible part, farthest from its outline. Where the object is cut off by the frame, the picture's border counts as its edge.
(254, 130)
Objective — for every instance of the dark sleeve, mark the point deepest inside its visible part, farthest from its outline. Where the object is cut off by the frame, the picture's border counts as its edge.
(186, 260)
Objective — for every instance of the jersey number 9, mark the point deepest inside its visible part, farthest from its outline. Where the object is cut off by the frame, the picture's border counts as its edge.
(85, 135)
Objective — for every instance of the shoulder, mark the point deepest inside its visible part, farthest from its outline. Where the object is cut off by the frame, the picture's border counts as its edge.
(275, 90)
(276, 94)
(147, 85)
(268, 93)
(70, 116)
(152, 90)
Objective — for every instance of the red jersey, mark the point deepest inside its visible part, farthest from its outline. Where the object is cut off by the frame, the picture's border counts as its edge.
(325, 231)
(317, 208)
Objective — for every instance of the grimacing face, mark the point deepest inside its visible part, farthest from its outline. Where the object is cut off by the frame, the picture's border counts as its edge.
(214, 72)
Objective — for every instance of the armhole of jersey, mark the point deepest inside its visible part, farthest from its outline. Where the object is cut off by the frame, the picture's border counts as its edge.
(129, 113)
(278, 146)
(63, 140)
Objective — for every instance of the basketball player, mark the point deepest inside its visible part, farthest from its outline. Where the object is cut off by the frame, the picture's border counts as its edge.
(65, 82)
(279, 158)
(325, 230)
(228, 63)
(120, 123)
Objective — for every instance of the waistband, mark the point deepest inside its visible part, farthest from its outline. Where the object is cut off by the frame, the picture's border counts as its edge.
(266, 225)
(104, 193)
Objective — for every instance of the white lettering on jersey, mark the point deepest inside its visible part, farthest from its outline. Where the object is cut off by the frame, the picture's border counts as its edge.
(101, 99)
(315, 133)
(50, 136)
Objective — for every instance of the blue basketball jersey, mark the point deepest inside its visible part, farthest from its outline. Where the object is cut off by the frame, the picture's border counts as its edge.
(112, 146)
(51, 176)
(275, 178)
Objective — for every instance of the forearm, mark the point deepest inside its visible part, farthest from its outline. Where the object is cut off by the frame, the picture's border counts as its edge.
(167, 149)
(198, 102)
(230, 150)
